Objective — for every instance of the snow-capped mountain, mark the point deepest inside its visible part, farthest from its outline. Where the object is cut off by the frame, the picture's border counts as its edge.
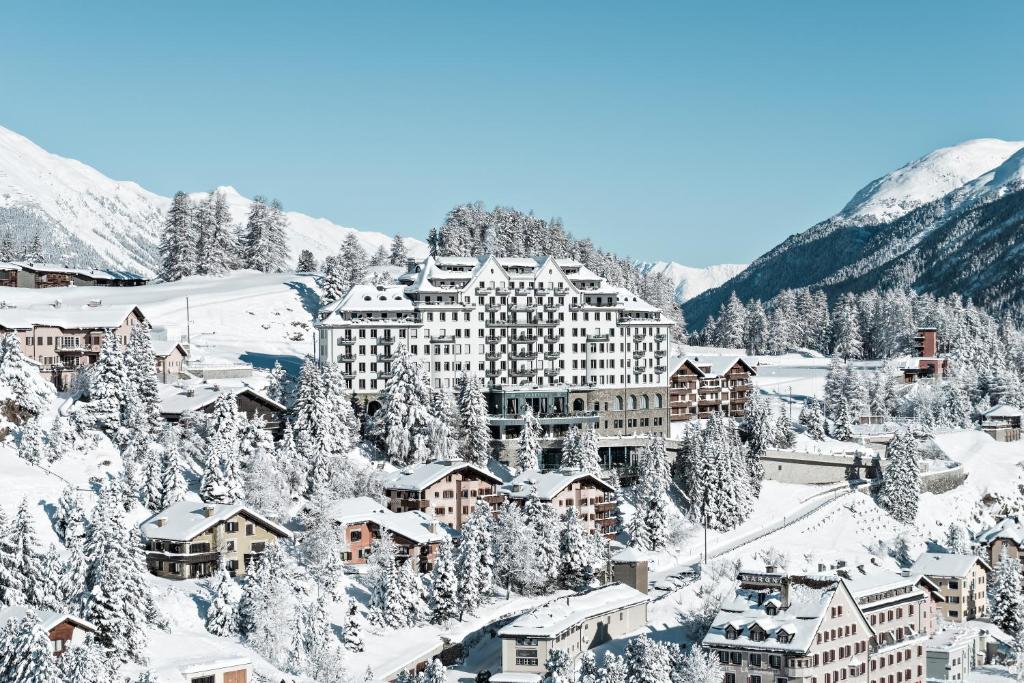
(949, 222)
(85, 218)
(691, 281)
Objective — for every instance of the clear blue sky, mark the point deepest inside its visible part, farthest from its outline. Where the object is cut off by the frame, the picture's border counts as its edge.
(660, 130)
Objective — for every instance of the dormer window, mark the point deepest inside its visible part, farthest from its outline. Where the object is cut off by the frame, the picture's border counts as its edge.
(784, 636)
(771, 609)
(731, 632)
(757, 633)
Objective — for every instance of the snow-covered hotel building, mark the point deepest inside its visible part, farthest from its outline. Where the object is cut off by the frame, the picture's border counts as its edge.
(543, 332)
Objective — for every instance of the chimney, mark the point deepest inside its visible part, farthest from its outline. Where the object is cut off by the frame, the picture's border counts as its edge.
(207, 511)
(161, 521)
(770, 568)
(432, 526)
(905, 572)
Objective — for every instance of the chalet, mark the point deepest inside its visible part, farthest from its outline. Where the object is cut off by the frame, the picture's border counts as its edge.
(703, 385)
(64, 630)
(776, 626)
(573, 624)
(592, 497)
(63, 339)
(962, 582)
(926, 364)
(170, 358)
(1008, 534)
(1002, 422)
(448, 489)
(176, 400)
(229, 670)
(362, 519)
(35, 275)
(189, 539)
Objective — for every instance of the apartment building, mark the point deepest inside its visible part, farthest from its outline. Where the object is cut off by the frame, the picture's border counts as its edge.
(543, 332)
(573, 624)
(926, 364)
(902, 610)
(201, 397)
(702, 385)
(593, 498)
(189, 539)
(63, 338)
(447, 489)
(782, 628)
(361, 520)
(962, 582)
(955, 652)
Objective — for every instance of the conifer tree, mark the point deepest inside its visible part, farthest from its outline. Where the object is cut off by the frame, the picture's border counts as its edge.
(901, 478)
(265, 245)
(404, 411)
(1006, 597)
(511, 534)
(26, 654)
(324, 653)
(558, 667)
(20, 382)
(436, 672)
(60, 440)
(716, 476)
(575, 551)
(222, 614)
(277, 384)
(474, 560)
(108, 384)
(475, 432)
(179, 240)
(306, 263)
(333, 280)
(528, 450)
(387, 606)
(352, 632)
(614, 669)
(444, 585)
(648, 661)
(380, 257)
(140, 368)
(26, 559)
(399, 254)
(68, 517)
(31, 444)
(218, 250)
(546, 532)
(11, 580)
(85, 663)
(699, 665)
(958, 539)
(354, 261)
(813, 420)
(172, 486)
(649, 525)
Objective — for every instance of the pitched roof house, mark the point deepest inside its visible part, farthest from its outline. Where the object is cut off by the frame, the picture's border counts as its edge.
(962, 581)
(448, 489)
(170, 358)
(1006, 533)
(363, 519)
(593, 498)
(63, 628)
(189, 539)
(176, 400)
(701, 385)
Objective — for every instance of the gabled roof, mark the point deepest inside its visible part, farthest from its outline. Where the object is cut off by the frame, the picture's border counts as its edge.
(103, 317)
(1003, 410)
(163, 348)
(419, 477)
(1008, 528)
(550, 619)
(547, 485)
(175, 400)
(414, 525)
(719, 365)
(862, 587)
(48, 619)
(39, 267)
(947, 564)
(422, 283)
(187, 519)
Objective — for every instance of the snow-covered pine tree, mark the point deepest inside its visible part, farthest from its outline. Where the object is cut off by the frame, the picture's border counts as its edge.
(172, 486)
(31, 443)
(74, 574)
(263, 245)
(354, 261)
(306, 263)
(528, 450)
(649, 525)
(900, 492)
(291, 462)
(436, 672)
(846, 334)
(109, 387)
(785, 437)
(179, 240)
(85, 663)
(732, 320)
(387, 608)
(813, 420)
(26, 653)
(558, 668)
(444, 585)
(11, 581)
(1005, 595)
(475, 433)
(324, 653)
(570, 447)
(380, 257)
(222, 614)
(404, 411)
(546, 530)
(399, 253)
(277, 384)
(614, 669)
(755, 331)
(68, 516)
(474, 560)
(351, 630)
(21, 385)
(267, 487)
(269, 611)
(118, 599)
(219, 252)
(648, 661)
(60, 440)
(140, 367)
(26, 559)
(576, 558)
(513, 568)
(716, 477)
(412, 593)
(958, 539)
(699, 665)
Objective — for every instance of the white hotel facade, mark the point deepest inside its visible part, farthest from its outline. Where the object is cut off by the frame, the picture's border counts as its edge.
(545, 332)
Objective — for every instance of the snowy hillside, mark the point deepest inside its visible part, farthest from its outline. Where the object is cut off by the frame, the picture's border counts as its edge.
(691, 281)
(926, 179)
(85, 218)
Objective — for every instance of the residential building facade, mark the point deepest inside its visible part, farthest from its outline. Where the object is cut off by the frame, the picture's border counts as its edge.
(361, 520)
(446, 489)
(178, 399)
(593, 498)
(36, 275)
(63, 339)
(962, 581)
(955, 652)
(542, 332)
(1008, 534)
(189, 539)
(703, 385)
(573, 624)
(926, 364)
(64, 630)
(170, 359)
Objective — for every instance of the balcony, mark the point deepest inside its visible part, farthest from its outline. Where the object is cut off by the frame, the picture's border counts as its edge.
(491, 308)
(575, 308)
(660, 369)
(660, 338)
(605, 506)
(496, 323)
(552, 308)
(348, 375)
(552, 372)
(523, 308)
(638, 370)
(551, 339)
(492, 340)
(345, 341)
(561, 290)
(388, 374)
(639, 337)
(502, 291)
(660, 353)
(522, 372)
(638, 354)
(492, 373)
(552, 355)
(442, 339)
(491, 355)
(549, 418)
(524, 355)
(346, 358)
(597, 337)
(524, 338)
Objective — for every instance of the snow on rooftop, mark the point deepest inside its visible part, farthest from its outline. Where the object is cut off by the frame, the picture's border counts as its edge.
(186, 519)
(48, 619)
(65, 316)
(1003, 410)
(419, 477)
(946, 564)
(175, 400)
(413, 525)
(550, 619)
(547, 485)
(1008, 528)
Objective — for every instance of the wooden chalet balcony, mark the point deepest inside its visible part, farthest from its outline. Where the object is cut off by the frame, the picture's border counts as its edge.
(706, 402)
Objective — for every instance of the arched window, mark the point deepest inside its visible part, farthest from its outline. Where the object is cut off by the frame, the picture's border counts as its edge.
(645, 402)
(618, 403)
(577, 405)
(632, 401)
(659, 402)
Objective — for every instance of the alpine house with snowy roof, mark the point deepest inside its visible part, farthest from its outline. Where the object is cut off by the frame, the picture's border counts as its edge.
(592, 497)
(541, 332)
(447, 489)
(699, 386)
(190, 538)
(1007, 533)
(962, 580)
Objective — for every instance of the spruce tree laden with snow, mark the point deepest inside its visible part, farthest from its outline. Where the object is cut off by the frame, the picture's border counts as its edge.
(648, 661)
(351, 631)
(546, 531)
(958, 539)
(513, 568)
(399, 253)
(26, 559)
(813, 420)
(558, 667)
(84, 663)
(900, 491)
(11, 580)
(474, 561)
(26, 653)
(649, 525)
(277, 384)
(1006, 598)
(21, 385)
(716, 476)
(109, 387)
(699, 665)
(528, 449)
(31, 443)
(306, 263)
(576, 558)
(475, 433)
(68, 517)
(140, 367)
(387, 607)
(405, 409)
(179, 240)
(222, 614)
(444, 585)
